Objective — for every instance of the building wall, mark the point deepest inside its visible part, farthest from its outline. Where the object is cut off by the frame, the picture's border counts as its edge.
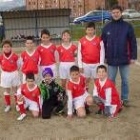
(78, 7)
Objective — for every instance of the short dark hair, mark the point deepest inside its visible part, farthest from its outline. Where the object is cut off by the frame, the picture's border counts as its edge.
(90, 25)
(101, 67)
(66, 31)
(74, 68)
(7, 42)
(30, 75)
(118, 7)
(45, 31)
(30, 38)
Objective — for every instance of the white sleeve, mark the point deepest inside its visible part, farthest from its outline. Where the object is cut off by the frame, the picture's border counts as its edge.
(19, 91)
(79, 56)
(69, 105)
(108, 96)
(102, 53)
(95, 92)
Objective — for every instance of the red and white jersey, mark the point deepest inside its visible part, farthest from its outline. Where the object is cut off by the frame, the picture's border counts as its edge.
(30, 62)
(31, 94)
(9, 64)
(77, 89)
(47, 54)
(90, 50)
(107, 92)
(66, 54)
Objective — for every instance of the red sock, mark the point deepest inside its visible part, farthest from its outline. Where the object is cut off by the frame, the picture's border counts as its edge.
(7, 100)
(22, 109)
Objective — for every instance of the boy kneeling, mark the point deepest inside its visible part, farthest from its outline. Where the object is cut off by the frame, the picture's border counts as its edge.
(78, 97)
(28, 96)
(105, 94)
(52, 94)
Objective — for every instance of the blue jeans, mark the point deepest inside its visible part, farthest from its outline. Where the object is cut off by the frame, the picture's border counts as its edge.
(124, 73)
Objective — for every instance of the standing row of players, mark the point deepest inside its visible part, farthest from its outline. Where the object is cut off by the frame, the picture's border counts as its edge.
(90, 53)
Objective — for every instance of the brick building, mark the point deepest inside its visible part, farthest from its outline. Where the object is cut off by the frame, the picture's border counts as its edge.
(78, 7)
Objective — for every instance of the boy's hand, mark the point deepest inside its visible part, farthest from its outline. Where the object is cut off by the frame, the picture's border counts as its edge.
(20, 98)
(70, 117)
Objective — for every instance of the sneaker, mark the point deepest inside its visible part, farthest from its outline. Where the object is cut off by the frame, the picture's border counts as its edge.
(7, 108)
(17, 108)
(126, 103)
(21, 117)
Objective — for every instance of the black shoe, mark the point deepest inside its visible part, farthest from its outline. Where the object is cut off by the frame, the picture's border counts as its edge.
(99, 112)
(87, 110)
(126, 103)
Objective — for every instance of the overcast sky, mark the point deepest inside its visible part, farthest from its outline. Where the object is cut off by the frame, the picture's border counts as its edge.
(5, 0)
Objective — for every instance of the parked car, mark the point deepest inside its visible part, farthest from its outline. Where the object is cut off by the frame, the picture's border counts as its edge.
(130, 13)
(95, 15)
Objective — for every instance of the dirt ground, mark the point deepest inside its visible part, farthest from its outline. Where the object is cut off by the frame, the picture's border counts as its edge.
(125, 127)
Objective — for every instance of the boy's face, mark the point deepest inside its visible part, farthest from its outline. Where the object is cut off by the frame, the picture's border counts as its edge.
(30, 82)
(66, 37)
(101, 74)
(75, 76)
(7, 48)
(90, 31)
(29, 44)
(116, 14)
(45, 38)
(48, 78)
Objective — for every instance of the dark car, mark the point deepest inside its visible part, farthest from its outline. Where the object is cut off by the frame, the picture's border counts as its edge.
(95, 15)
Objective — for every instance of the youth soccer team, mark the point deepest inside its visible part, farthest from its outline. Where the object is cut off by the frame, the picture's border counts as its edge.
(47, 97)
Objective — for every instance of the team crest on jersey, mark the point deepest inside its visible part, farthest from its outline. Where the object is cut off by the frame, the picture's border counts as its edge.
(94, 43)
(84, 42)
(74, 87)
(51, 50)
(61, 50)
(11, 61)
(34, 59)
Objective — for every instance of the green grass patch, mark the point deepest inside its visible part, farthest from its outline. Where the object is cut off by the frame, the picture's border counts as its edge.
(78, 30)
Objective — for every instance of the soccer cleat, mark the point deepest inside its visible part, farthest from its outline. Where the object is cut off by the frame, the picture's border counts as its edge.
(7, 108)
(21, 117)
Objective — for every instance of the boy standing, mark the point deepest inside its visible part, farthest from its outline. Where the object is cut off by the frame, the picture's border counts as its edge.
(28, 96)
(105, 94)
(66, 56)
(77, 94)
(53, 95)
(29, 58)
(90, 52)
(9, 76)
(47, 52)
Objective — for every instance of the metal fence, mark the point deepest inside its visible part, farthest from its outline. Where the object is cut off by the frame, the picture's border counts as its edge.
(19, 24)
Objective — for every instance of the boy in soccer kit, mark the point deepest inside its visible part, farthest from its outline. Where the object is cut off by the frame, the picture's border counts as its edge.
(52, 94)
(105, 94)
(77, 94)
(9, 72)
(66, 53)
(47, 52)
(90, 53)
(28, 96)
(29, 59)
